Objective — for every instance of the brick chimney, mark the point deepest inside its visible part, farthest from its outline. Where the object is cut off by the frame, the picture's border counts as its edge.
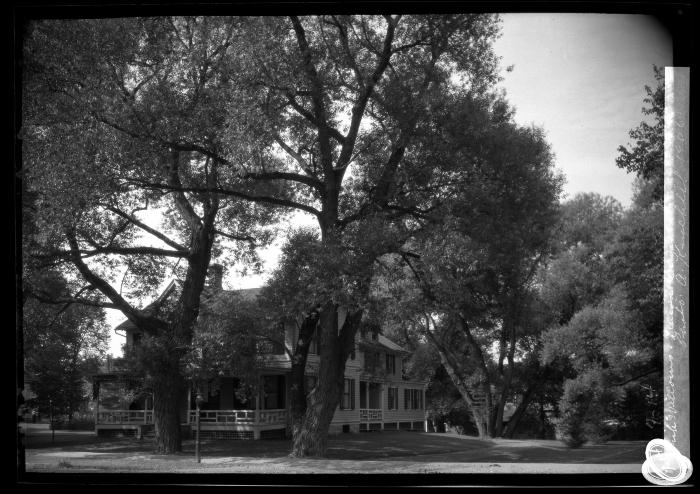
(216, 275)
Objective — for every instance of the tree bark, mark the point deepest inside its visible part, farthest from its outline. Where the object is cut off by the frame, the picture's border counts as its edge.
(298, 375)
(450, 364)
(312, 436)
(168, 392)
(527, 398)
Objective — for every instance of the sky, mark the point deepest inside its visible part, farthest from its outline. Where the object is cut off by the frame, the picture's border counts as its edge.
(581, 78)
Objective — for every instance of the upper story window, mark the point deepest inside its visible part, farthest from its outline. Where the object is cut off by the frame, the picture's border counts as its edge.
(269, 347)
(390, 363)
(372, 362)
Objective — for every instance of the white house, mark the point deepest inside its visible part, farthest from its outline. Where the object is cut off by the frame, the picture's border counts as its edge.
(377, 396)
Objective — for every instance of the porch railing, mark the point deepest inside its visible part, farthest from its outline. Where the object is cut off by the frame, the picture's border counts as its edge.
(125, 417)
(223, 416)
(370, 414)
(273, 416)
(278, 416)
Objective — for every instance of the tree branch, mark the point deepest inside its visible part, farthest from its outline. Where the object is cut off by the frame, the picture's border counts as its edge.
(147, 228)
(143, 321)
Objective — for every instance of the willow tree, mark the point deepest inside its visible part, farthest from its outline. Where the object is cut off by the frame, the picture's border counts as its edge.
(469, 276)
(109, 105)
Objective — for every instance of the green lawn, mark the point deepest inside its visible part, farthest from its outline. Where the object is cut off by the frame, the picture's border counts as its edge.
(373, 452)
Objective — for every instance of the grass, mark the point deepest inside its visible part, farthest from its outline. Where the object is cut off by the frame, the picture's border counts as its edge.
(374, 452)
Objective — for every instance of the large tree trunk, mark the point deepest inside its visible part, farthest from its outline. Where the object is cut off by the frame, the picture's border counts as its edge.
(524, 403)
(452, 367)
(168, 392)
(507, 379)
(312, 436)
(299, 358)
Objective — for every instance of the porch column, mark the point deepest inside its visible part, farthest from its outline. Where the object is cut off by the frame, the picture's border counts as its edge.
(189, 404)
(97, 405)
(256, 427)
(382, 389)
(367, 395)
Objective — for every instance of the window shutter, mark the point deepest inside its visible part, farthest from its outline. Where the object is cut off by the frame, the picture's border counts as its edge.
(406, 395)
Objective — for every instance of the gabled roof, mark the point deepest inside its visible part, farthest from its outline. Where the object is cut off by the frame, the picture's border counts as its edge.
(222, 298)
(382, 343)
(209, 298)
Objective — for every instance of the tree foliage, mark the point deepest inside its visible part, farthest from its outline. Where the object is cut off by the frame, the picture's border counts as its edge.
(63, 345)
(606, 290)
(117, 116)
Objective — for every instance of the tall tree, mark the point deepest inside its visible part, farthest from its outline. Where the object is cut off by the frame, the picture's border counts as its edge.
(613, 338)
(108, 106)
(606, 295)
(645, 157)
(474, 269)
(349, 102)
(327, 115)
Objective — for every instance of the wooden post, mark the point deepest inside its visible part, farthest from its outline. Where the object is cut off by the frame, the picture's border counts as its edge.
(97, 406)
(256, 423)
(196, 443)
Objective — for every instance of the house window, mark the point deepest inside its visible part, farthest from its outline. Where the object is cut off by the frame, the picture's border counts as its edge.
(372, 362)
(135, 339)
(269, 347)
(314, 346)
(273, 392)
(393, 403)
(348, 400)
(352, 353)
(390, 363)
(413, 399)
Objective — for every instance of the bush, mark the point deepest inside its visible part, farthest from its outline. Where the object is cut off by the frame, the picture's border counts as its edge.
(460, 419)
(584, 412)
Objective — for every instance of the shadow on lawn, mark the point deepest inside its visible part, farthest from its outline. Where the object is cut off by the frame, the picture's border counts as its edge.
(401, 446)
(373, 445)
